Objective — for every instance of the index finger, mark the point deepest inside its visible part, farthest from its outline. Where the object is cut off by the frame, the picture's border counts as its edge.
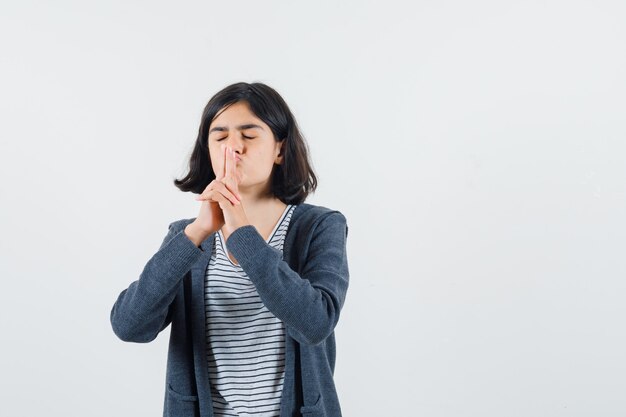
(228, 166)
(223, 173)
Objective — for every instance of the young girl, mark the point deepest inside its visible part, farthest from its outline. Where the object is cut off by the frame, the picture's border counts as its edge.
(252, 286)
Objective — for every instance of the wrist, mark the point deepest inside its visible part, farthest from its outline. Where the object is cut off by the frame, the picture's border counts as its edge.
(195, 233)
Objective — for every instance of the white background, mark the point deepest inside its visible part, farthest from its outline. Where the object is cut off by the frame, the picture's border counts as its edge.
(477, 150)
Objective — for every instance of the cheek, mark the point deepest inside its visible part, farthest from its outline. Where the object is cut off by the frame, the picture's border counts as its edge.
(216, 163)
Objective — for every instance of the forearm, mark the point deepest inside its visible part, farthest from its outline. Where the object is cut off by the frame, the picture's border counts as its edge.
(309, 304)
(140, 311)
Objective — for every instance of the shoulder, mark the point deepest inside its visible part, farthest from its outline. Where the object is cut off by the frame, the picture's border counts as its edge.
(312, 212)
(310, 216)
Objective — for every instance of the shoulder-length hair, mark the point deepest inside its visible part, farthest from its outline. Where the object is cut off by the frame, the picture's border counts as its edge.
(293, 179)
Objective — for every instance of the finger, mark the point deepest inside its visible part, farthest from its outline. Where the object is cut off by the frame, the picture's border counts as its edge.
(232, 163)
(219, 175)
(216, 183)
(223, 201)
(232, 172)
(219, 199)
(225, 188)
(235, 174)
(208, 188)
(225, 164)
(231, 169)
(211, 185)
(231, 185)
(217, 195)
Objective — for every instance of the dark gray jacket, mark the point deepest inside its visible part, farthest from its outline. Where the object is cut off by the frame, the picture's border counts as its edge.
(305, 287)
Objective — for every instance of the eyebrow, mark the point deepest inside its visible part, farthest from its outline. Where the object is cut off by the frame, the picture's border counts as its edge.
(240, 127)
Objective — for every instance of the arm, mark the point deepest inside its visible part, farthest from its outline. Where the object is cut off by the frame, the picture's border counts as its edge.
(309, 304)
(142, 310)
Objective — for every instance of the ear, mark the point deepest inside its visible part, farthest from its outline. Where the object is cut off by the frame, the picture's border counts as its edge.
(281, 155)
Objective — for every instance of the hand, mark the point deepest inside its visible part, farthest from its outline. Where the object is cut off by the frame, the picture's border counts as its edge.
(223, 194)
(211, 218)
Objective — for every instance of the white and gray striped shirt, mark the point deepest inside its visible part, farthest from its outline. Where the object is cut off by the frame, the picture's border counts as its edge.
(245, 341)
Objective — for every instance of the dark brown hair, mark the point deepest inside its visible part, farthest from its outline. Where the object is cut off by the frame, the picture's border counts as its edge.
(293, 180)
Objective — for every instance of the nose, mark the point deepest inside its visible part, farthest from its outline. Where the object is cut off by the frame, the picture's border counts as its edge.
(235, 143)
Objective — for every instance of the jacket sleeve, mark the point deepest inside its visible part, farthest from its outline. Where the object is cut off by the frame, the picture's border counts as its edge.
(142, 310)
(309, 304)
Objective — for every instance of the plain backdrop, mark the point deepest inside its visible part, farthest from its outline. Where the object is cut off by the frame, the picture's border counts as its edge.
(477, 150)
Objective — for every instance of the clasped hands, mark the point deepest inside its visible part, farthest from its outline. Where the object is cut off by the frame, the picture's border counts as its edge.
(223, 198)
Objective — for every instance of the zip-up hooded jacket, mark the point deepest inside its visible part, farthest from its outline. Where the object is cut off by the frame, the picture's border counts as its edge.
(304, 286)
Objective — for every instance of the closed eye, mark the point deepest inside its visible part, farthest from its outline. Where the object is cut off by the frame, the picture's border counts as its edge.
(245, 137)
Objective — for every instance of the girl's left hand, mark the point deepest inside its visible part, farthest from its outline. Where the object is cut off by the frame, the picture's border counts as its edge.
(234, 215)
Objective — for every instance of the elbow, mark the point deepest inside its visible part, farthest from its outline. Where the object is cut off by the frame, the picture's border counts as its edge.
(317, 324)
(314, 340)
(314, 334)
(309, 338)
(128, 331)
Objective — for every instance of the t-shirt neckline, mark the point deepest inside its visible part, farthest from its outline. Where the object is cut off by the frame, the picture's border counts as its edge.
(268, 240)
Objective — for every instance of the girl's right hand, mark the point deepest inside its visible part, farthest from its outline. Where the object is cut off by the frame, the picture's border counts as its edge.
(211, 218)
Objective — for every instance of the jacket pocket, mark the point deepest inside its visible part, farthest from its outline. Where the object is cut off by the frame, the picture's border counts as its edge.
(181, 405)
(315, 410)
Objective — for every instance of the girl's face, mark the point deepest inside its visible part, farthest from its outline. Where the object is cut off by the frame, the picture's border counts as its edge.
(253, 142)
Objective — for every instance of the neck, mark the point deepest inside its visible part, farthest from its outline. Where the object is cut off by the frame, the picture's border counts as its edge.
(257, 195)
(257, 205)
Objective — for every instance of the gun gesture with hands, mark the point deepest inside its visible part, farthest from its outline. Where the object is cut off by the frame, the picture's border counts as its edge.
(221, 201)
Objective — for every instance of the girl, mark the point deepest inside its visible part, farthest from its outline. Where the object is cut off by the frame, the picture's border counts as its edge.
(252, 286)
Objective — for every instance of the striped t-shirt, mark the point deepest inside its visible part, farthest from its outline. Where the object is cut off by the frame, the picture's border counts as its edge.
(245, 341)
